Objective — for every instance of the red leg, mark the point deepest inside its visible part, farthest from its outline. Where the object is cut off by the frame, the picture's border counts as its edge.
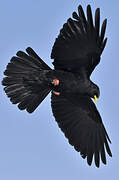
(56, 93)
(55, 82)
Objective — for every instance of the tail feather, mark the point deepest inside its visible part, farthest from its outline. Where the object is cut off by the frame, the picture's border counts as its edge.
(32, 53)
(19, 63)
(32, 102)
(32, 62)
(25, 84)
(10, 81)
(15, 99)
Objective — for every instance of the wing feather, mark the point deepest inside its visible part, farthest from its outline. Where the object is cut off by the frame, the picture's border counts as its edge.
(81, 124)
(80, 42)
(97, 21)
(103, 29)
(89, 16)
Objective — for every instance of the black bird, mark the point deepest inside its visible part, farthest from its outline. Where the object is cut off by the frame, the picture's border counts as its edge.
(76, 52)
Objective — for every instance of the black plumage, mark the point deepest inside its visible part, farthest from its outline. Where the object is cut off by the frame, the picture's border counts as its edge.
(76, 52)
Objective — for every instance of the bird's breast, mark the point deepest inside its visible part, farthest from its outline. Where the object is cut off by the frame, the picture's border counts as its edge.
(71, 83)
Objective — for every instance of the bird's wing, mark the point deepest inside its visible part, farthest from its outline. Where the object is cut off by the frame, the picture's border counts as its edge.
(80, 42)
(81, 123)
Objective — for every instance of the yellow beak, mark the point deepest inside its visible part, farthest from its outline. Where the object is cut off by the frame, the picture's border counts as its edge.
(95, 98)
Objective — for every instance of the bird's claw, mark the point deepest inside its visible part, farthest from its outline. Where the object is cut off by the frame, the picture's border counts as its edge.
(56, 93)
(55, 82)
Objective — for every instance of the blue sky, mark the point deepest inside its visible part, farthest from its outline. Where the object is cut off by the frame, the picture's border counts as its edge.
(32, 147)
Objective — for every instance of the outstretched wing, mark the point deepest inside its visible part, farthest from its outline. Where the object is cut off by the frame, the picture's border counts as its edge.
(81, 123)
(80, 42)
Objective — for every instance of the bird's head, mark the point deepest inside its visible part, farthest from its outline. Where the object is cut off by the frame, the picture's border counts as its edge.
(94, 92)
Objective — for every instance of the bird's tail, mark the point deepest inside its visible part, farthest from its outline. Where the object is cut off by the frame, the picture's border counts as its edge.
(26, 82)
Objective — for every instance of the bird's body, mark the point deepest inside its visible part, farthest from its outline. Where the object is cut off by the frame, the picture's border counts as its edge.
(72, 83)
(76, 52)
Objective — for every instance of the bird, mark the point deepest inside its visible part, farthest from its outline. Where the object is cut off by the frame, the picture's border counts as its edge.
(76, 52)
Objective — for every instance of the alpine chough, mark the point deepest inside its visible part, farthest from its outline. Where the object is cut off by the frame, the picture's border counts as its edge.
(76, 53)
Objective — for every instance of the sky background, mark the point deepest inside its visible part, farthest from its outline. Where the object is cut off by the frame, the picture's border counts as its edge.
(32, 147)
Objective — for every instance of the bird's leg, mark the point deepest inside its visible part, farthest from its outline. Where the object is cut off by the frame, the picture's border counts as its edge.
(55, 82)
(56, 93)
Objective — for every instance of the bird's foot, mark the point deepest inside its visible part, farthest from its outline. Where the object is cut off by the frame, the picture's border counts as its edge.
(56, 93)
(55, 82)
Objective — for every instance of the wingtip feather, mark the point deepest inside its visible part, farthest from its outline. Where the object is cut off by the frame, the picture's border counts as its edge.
(75, 16)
